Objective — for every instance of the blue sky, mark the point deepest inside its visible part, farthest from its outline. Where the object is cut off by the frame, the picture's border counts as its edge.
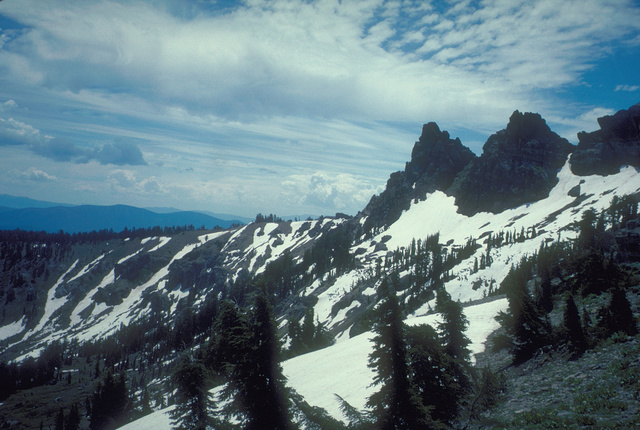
(286, 106)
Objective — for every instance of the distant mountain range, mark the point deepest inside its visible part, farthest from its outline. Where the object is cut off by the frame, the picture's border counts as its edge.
(29, 214)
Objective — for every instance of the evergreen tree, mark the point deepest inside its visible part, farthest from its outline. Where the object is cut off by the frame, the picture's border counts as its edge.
(192, 396)
(268, 401)
(573, 326)
(396, 405)
(432, 373)
(294, 334)
(524, 322)
(110, 402)
(256, 390)
(452, 328)
(308, 329)
(60, 420)
(617, 316)
(73, 419)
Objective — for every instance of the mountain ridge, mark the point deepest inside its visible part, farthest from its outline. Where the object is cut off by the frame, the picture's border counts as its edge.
(330, 268)
(86, 218)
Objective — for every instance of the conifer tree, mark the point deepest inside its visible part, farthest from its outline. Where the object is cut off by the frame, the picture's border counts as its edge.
(524, 322)
(192, 396)
(268, 402)
(60, 420)
(617, 316)
(396, 405)
(73, 419)
(453, 326)
(456, 347)
(432, 373)
(308, 328)
(110, 402)
(575, 333)
(256, 390)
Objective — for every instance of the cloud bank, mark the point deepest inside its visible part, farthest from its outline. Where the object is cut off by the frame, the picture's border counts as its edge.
(257, 105)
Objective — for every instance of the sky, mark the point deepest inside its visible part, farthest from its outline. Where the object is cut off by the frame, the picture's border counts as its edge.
(286, 106)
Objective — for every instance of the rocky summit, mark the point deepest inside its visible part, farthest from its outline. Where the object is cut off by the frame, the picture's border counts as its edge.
(436, 159)
(518, 165)
(617, 143)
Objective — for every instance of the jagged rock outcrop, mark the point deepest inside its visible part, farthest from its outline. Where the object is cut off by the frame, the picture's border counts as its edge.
(617, 143)
(518, 165)
(436, 159)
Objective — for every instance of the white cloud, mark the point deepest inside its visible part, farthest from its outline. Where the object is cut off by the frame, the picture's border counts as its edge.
(320, 58)
(628, 88)
(34, 174)
(8, 106)
(303, 90)
(13, 132)
(342, 192)
(122, 180)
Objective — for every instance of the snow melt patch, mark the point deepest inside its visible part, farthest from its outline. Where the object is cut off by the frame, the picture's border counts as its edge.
(163, 241)
(88, 299)
(12, 329)
(123, 313)
(333, 294)
(52, 304)
(86, 268)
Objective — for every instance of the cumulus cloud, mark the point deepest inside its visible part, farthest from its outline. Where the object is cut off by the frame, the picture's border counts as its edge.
(342, 192)
(119, 153)
(34, 174)
(8, 106)
(123, 180)
(13, 132)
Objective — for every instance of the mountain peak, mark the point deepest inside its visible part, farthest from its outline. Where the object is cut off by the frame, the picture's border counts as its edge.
(436, 159)
(518, 165)
(617, 143)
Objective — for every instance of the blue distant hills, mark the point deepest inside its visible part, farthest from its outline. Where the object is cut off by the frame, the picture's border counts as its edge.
(35, 215)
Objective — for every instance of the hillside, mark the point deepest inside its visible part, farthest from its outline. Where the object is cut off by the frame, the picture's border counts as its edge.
(134, 304)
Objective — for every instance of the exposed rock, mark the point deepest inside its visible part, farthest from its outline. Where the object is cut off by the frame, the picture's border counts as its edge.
(436, 159)
(617, 143)
(518, 165)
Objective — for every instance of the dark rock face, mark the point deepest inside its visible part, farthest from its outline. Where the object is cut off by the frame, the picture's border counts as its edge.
(518, 165)
(436, 159)
(617, 143)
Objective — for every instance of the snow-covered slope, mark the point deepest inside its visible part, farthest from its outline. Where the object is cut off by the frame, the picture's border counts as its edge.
(342, 368)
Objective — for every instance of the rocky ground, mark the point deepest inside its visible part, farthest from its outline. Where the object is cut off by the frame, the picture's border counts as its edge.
(599, 390)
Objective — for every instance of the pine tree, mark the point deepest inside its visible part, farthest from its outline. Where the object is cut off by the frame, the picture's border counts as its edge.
(432, 373)
(251, 352)
(575, 333)
(73, 419)
(60, 420)
(524, 322)
(192, 396)
(453, 326)
(618, 316)
(268, 401)
(456, 347)
(110, 402)
(396, 405)
(308, 329)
